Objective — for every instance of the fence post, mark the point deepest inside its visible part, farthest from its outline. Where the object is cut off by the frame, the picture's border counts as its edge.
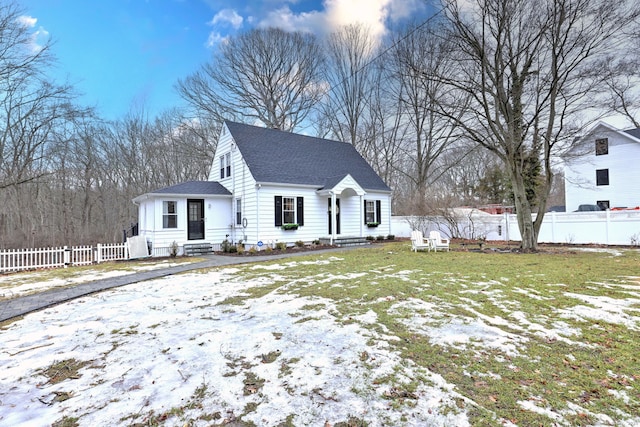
(99, 253)
(67, 256)
(608, 216)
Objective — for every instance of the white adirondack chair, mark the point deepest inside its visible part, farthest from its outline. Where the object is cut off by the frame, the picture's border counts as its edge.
(437, 242)
(418, 242)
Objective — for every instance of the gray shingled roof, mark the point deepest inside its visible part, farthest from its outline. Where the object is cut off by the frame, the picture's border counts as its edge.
(196, 188)
(634, 132)
(276, 156)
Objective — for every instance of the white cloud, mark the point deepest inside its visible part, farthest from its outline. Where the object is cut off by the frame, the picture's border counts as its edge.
(228, 16)
(215, 38)
(39, 37)
(27, 21)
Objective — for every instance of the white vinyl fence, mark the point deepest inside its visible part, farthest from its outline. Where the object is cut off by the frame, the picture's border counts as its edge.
(64, 256)
(604, 228)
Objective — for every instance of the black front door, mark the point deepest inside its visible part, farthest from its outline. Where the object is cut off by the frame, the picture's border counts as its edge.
(337, 217)
(195, 226)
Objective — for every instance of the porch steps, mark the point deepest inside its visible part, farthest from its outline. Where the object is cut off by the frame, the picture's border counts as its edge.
(192, 249)
(345, 241)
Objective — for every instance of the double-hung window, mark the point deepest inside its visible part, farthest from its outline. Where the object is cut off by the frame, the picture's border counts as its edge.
(289, 210)
(238, 211)
(225, 165)
(169, 214)
(372, 212)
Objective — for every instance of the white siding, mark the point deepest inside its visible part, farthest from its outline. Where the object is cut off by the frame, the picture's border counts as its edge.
(216, 212)
(624, 174)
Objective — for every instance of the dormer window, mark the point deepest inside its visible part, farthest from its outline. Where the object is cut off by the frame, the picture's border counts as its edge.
(602, 146)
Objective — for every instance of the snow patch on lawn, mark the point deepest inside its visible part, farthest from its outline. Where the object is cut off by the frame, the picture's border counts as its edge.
(20, 284)
(170, 343)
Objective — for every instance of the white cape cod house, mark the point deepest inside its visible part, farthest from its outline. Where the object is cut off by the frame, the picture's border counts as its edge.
(268, 186)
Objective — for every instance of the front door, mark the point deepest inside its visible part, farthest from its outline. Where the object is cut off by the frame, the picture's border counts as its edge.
(337, 217)
(195, 226)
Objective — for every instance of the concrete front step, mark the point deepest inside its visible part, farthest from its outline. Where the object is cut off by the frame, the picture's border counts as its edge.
(345, 241)
(191, 249)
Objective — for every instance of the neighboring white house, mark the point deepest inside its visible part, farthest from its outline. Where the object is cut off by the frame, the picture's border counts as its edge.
(267, 186)
(604, 169)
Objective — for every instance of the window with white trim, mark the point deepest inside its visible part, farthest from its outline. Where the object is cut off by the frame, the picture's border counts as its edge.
(169, 214)
(225, 165)
(288, 210)
(370, 211)
(238, 211)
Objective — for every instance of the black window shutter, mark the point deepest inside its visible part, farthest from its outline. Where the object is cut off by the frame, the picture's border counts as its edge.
(365, 212)
(378, 211)
(278, 207)
(300, 210)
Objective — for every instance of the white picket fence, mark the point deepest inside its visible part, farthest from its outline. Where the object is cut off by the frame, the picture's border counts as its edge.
(12, 260)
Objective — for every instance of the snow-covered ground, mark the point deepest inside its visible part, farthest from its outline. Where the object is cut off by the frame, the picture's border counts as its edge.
(200, 348)
(20, 284)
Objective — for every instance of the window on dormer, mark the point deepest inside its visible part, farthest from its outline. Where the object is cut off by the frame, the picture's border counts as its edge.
(602, 146)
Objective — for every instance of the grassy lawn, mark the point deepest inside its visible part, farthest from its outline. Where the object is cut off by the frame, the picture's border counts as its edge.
(530, 339)
(513, 339)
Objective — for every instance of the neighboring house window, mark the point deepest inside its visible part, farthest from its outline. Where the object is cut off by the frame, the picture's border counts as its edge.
(602, 177)
(604, 204)
(238, 211)
(602, 146)
(289, 210)
(225, 166)
(372, 211)
(169, 215)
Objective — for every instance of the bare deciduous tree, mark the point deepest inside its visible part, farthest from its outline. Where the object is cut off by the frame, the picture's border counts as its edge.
(30, 105)
(532, 68)
(264, 74)
(349, 50)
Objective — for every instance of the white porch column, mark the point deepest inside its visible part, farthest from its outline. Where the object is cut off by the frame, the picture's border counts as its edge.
(362, 214)
(333, 216)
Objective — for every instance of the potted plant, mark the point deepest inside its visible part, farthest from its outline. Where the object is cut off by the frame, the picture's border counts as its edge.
(290, 226)
(373, 224)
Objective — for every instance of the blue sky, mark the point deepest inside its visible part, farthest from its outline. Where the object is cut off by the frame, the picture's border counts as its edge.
(124, 54)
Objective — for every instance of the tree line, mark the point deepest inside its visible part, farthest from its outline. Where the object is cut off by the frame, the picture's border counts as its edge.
(475, 105)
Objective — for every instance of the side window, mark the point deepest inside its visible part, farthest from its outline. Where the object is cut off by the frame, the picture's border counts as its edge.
(169, 214)
(602, 177)
(228, 161)
(221, 167)
(238, 211)
(372, 211)
(602, 146)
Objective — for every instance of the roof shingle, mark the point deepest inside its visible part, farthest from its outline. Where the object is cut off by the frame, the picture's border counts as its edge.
(275, 156)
